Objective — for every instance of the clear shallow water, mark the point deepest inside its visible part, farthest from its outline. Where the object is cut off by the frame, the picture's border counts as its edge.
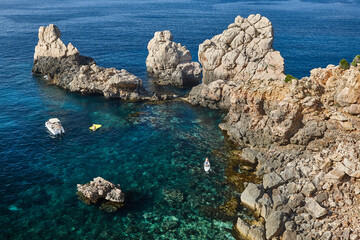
(153, 151)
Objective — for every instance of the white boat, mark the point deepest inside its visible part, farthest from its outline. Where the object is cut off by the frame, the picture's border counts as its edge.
(207, 165)
(54, 126)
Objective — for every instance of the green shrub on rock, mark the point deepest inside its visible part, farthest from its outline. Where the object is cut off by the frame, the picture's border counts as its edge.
(344, 64)
(289, 77)
(355, 61)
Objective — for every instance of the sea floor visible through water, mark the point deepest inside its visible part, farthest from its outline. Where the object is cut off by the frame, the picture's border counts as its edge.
(154, 151)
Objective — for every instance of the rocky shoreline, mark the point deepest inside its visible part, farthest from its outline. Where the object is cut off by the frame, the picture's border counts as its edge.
(301, 136)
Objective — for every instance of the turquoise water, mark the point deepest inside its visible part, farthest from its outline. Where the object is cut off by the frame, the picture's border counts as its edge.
(152, 150)
(155, 151)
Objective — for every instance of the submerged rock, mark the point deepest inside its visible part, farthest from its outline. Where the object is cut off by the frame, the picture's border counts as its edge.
(99, 190)
(64, 66)
(169, 63)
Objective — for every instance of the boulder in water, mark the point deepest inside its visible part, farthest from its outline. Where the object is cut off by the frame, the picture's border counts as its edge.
(109, 195)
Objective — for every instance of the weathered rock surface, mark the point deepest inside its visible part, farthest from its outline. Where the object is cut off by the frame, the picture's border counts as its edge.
(274, 225)
(242, 227)
(100, 188)
(50, 44)
(169, 63)
(250, 195)
(242, 52)
(216, 95)
(305, 133)
(314, 208)
(64, 66)
(250, 232)
(272, 180)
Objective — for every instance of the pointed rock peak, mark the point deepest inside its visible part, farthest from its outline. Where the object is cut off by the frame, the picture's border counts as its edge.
(242, 52)
(163, 36)
(169, 63)
(50, 44)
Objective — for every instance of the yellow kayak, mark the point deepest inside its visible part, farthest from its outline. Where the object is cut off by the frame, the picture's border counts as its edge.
(94, 127)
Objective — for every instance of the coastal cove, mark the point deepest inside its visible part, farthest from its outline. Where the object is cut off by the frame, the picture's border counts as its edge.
(154, 150)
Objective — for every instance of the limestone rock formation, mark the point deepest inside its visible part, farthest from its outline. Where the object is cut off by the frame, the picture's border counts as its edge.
(108, 196)
(262, 112)
(305, 134)
(242, 52)
(342, 87)
(100, 188)
(50, 44)
(64, 66)
(169, 63)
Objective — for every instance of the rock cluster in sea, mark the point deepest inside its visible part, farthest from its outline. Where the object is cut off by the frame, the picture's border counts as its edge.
(243, 52)
(303, 137)
(64, 66)
(99, 190)
(169, 63)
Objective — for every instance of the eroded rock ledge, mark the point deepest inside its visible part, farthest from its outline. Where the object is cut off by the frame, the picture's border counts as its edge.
(169, 63)
(64, 66)
(303, 135)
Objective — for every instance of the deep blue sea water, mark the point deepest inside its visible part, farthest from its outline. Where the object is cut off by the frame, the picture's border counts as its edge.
(150, 149)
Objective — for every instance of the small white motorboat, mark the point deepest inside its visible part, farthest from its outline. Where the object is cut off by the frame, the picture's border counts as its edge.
(54, 126)
(207, 165)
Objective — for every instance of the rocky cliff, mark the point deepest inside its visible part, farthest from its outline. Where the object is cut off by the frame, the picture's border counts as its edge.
(169, 63)
(301, 134)
(64, 66)
(242, 52)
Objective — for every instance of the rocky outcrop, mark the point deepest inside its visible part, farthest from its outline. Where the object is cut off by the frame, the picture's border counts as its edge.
(243, 52)
(169, 63)
(103, 192)
(100, 188)
(311, 171)
(342, 87)
(263, 109)
(302, 134)
(311, 179)
(50, 44)
(64, 66)
(262, 112)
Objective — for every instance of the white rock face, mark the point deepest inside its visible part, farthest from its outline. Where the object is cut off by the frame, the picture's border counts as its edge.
(64, 66)
(170, 63)
(242, 52)
(50, 44)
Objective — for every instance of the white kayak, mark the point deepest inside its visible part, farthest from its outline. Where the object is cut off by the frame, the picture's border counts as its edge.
(54, 126)
(206, 166)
